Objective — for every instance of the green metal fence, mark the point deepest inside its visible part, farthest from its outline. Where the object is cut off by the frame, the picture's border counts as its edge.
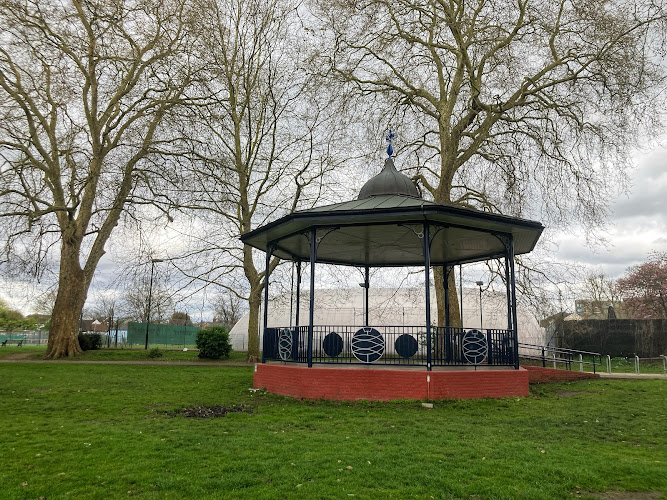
(28, 336)
(162, 334)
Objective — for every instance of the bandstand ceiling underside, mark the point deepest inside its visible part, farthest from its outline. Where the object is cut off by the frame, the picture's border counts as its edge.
(389, 230)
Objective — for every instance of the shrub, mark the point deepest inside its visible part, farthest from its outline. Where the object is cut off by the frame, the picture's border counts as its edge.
(90, 341)
(155, 352)
(213, 343)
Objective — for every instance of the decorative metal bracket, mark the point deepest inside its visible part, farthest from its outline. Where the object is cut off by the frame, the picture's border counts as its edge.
(438, 228)
(504, 239)
(418, 234)
(318, 238)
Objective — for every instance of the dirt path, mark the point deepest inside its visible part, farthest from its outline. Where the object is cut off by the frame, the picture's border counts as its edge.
(633, 375)
(17, 356)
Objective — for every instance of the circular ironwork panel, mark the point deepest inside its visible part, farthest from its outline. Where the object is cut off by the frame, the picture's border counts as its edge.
(406, 345)
(332, 344)
(367, 345)
(285, 343)
(474, 347)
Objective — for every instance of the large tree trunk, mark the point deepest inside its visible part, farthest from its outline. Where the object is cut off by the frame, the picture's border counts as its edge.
(72, 292)
(253, 323)
(454, 311)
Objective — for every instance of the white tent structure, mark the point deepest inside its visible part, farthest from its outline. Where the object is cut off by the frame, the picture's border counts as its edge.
(389, 307)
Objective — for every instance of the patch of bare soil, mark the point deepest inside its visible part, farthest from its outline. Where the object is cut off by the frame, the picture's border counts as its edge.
(209, 411)
(18, 355)
(625, 495)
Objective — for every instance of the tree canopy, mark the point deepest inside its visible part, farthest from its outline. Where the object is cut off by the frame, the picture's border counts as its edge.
(524, 107)
(84, 91)
(644, 288)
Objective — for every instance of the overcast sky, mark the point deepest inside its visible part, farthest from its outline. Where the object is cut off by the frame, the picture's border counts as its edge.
(638, 223)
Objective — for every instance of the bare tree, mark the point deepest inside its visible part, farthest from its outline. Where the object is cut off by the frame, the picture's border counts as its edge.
(106, 305)
(84, 90)
(524, 107)
(254, 148)
(228, 309)
(602, 292)
(137, 290)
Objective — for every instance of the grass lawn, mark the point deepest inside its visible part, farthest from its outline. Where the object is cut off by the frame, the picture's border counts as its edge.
(38, 351)
(104, 431)
(143, 355)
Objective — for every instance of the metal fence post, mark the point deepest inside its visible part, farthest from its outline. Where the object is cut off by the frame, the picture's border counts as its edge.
(608, 363)
(636, 364)
(664, 364)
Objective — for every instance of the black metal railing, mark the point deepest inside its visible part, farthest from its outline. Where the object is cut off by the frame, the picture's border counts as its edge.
(391, 345)
(560, 356)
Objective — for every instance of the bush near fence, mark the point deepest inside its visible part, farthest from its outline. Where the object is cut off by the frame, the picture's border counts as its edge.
(617, 337)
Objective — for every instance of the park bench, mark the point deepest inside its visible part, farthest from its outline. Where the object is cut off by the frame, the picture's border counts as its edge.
(19, 342)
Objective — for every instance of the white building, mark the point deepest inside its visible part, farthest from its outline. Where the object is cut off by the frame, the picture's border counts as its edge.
(389, 307)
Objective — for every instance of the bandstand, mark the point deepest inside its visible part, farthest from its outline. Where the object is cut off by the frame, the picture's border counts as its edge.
(390, 225)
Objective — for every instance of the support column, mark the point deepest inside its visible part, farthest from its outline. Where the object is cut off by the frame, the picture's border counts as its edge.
(427, 269)
(291, 299)
(311, 310)
(445, 283)
(508, 287)
(513, 290)
(461, 288)
(447, 337)
(298, 292)
(267, 272)
(366, 286)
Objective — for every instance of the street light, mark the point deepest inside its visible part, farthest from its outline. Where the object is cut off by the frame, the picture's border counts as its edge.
(150, 296)
(481, 317)
(363, 303)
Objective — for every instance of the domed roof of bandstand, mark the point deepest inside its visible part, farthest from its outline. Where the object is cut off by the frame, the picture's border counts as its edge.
(389, 182)
(384, 226)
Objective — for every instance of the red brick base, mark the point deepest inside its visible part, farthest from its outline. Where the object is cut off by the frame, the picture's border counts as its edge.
(351, 384)
(537, 375)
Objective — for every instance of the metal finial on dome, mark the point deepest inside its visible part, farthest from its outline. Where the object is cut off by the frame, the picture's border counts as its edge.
(389, 137)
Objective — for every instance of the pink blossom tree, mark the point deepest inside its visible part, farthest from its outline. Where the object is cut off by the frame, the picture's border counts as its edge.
(644, 288)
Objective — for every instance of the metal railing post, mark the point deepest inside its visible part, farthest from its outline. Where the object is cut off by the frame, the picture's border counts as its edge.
(581, 363)
(544, 360)
(664, 364)
(636, 364)
(608, 363)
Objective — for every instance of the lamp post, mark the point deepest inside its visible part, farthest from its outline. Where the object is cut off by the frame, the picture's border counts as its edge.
(481, 317)
(364, 314)
(150, 296)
